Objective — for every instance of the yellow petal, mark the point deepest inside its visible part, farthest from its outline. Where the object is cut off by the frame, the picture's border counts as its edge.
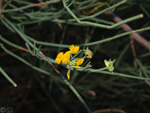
(65, 60)
(89, 56)
(58, 60)
(74, 49)
(68, 76)
(66, 57)
(79, 61)
(60, 55)
(71, 47)
(106, 63)
(67, 54)
(77, 67)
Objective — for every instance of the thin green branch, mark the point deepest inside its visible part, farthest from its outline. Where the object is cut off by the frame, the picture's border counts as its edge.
(90, 70)
(87, 23)
(114, 37)
(70, 12)
(77, 94)
(7, 77)
(24, 61)
(8, 42)
(105, 10)
(90, 43)
(43, 71)
(19, 33)
(127, 20)
(27, 6)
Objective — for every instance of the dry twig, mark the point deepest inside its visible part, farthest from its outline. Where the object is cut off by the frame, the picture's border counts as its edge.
(109, 111)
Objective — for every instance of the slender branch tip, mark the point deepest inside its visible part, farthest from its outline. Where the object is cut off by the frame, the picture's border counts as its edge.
(141, 15)
(124, 1)
(15, 85)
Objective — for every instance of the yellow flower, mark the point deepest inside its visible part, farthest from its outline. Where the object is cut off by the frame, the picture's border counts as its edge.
(68, 76)
(60, 55)
(74, 49)
(66, 57)
(88, 53)
(79, 61)
(106, 63)
(109, 65)
(58, 61)
(77, 67)
(59, 58)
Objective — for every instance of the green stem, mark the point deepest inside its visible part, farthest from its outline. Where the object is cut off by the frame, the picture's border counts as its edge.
(114, 37)
(7, 77)
(21, 34)
(27, 6)
(43, 71)
(101, 25)
(47, 43)
(97, 70)
(103, 11)
(70, 12)
(127, 20)
(24, 61)
(88, 44)
(77, 94)
(8, 42)
(113, 73)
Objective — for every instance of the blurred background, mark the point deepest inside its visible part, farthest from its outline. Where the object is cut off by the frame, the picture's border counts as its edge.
(48, 21)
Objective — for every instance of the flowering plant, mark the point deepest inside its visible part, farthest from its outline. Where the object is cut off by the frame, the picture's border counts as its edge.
(71, 61)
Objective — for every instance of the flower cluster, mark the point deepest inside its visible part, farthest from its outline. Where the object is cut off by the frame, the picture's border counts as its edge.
(88, 53)
(109, 65)
(70, 60)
